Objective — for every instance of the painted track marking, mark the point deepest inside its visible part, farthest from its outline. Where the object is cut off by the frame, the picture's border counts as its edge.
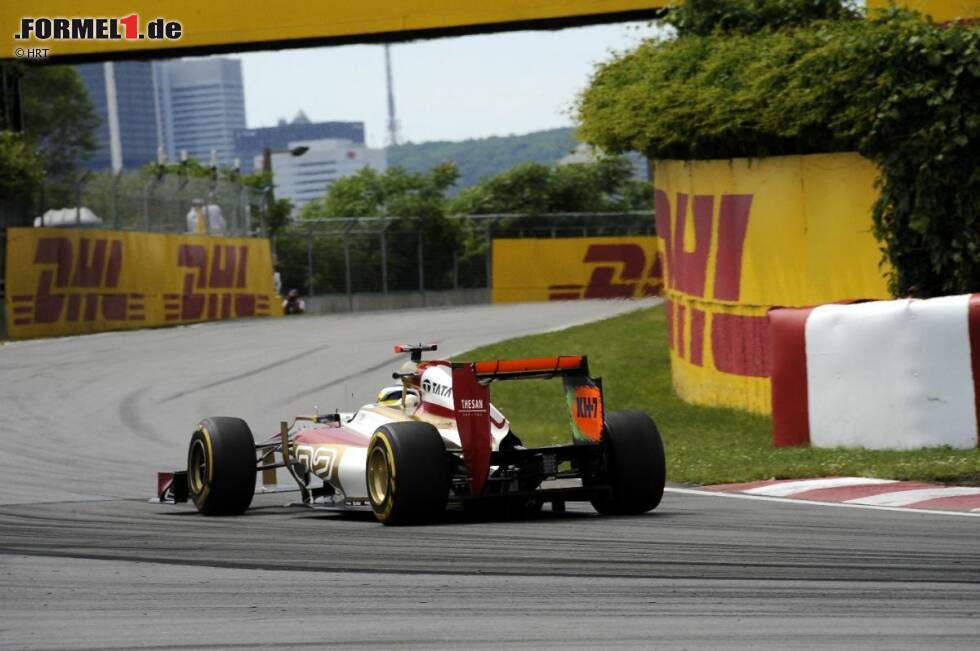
(783, 489)
(789, 500)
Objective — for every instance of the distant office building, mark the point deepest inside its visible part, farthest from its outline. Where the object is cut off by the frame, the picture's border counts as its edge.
(204, 105)
(125, 100)
(252, 142)
(304, 178)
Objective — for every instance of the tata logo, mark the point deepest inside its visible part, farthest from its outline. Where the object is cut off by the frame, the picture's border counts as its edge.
(77, 284)
(435, 388)
(469, 404)
(622, 271)
(587, 406)
(213, 285)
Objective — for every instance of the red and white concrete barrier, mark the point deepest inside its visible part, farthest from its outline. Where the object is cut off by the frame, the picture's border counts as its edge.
(901, 374)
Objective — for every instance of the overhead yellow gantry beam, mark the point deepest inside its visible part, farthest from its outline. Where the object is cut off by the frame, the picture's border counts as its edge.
(69, 30)
(196, 27)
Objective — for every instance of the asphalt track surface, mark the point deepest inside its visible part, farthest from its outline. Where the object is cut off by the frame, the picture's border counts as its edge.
(86, 562)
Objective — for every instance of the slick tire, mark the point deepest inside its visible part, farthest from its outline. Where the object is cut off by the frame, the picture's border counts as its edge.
(633, 465)
(407, 473)
(221, 466)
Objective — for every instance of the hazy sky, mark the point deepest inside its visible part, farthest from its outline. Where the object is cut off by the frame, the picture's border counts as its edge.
(445, 89)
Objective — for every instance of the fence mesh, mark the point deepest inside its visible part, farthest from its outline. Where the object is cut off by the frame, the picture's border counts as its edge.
(348, 255)
(390, 254)
(133, 201)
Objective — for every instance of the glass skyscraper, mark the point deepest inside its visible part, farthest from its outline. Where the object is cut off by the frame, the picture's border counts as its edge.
(124, 95)
(204, 105)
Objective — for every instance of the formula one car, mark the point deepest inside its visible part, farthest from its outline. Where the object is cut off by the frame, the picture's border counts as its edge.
(433, 441)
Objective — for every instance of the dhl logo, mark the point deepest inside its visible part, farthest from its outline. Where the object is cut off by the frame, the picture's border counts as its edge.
(738, 342)
(73, 284)
(622, 272)
(688, 251)
(212, 284)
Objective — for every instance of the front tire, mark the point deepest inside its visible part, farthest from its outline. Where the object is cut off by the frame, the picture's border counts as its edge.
(221, 466)
(633, 465)
(407, 473)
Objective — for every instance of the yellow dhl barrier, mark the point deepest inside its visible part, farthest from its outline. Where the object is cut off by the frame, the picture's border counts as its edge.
(741, 236)
(573, 268)
(73, 281)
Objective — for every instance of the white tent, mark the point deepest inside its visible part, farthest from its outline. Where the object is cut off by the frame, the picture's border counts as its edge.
(68, 217)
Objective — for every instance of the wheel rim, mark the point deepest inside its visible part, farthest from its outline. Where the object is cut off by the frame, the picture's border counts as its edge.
(198, 466)
(378, 475)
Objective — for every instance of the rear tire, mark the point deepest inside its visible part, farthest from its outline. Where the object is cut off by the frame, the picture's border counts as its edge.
(221, 466)
(633, 465)
(407, 473)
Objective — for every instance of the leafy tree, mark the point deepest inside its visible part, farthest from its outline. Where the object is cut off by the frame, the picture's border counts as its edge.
(899, 90)
(747, 17)
(21, 175)
(418, 205)
(21, 169)
(59, 119)
(394, 192)
(479, 158)
(531, 192)
(532, 188)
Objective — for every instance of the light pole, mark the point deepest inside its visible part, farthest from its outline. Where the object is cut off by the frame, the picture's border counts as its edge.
(267, 167)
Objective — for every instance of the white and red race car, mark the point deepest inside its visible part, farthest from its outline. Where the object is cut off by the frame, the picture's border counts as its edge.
(433, 441)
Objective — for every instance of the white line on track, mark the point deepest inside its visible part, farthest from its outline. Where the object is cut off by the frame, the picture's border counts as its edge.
(788, 500)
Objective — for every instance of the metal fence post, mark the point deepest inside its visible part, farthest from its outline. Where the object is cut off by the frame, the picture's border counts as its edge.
(421, 268)
(309, 259)
(78, 202)
(146, 203)
(487, 259)
(114, 189)
(455, 269)
(384, 263)
(350, 296)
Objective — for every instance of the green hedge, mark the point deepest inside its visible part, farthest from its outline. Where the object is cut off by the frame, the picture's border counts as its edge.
(901, 91)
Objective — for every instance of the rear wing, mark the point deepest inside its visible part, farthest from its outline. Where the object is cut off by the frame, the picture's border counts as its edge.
(471, 398)
(583, 393)
(531, 368)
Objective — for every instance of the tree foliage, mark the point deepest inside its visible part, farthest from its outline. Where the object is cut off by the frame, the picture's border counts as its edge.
(394, 192)
(59, 119)
(418, 204)
(532, 188)
(21, 170)
(901, 91)
(479, 158)
(747, 17)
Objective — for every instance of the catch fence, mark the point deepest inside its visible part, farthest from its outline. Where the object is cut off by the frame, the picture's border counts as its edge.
(149, 202)
(352, 255)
